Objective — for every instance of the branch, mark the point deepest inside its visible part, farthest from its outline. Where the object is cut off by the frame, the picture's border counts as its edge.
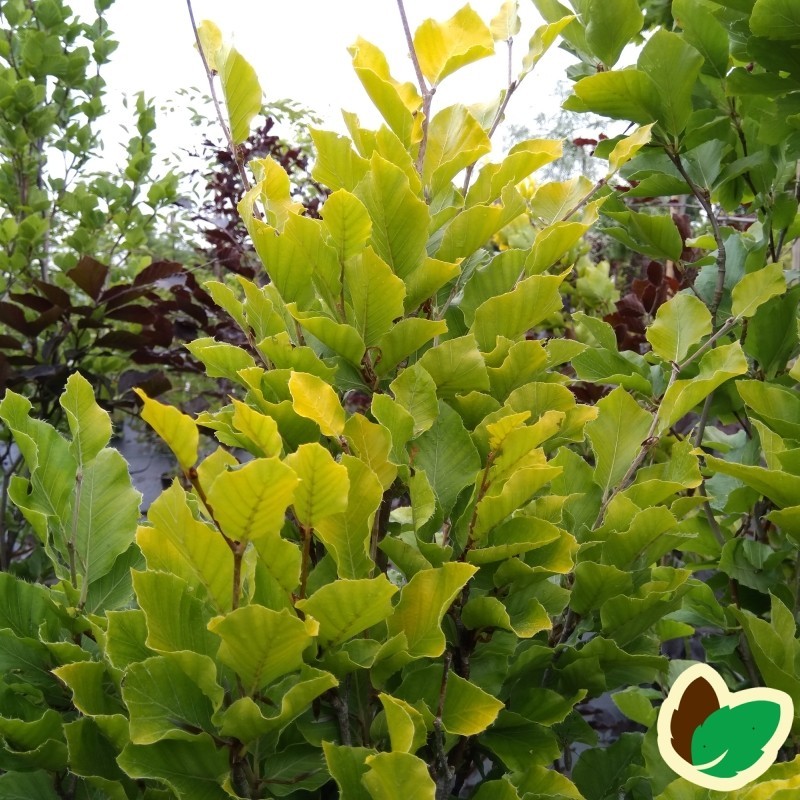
(210, 73)
(426, 91)
(510, 89)
(445, 774)
(651, 439)
(705, 202)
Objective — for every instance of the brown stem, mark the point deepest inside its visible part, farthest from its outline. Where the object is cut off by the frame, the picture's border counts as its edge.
(426, 91)
(445, 774)
(237, 576)
(338, 700)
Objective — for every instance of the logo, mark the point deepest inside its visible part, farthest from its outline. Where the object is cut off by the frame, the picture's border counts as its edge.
(720, 739)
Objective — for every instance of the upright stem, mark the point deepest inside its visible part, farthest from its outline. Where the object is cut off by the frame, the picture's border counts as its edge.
(705, 202)
(210, 73)
(306, 534)
(510, 89)
(426, 91)
(73, 572)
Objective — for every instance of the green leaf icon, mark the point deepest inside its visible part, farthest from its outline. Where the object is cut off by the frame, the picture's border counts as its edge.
(719, 739)
(732, 739)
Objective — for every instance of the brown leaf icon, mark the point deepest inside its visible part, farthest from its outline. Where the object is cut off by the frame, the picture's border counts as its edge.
(699, 701)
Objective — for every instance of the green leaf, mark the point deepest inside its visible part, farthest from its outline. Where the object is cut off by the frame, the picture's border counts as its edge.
(541, 41)
(337, 165)
(777, 407)
(106, 515)
(655, 235)
(456, 366)
(259, 428)
(396, 101)
(316, 400)
(644, 540)
(406, 337)
(89, 425)
(345, 608)
(240, 84)
(250, 502)
(705, 33)
(626, 94)
(635, 704)
(288, 699)
(596, 583)
(406, 725)
(444, 47)
(511, 315)
(555, 199)
(221, 360)
(194, 770)
(778, 485)
(755, 288)
(348, 765)
(178, 430)
(424, 600)
(455, 140)
(489, 612)
(373, 295)
(616, 436)
(468, 710)
(472, 228)
(372, 443)
(347, 223)
(519, 742)
(414, 389)
(716, 367)
(602, 772)
(506, 24)
(262, 645)
(626, 148)
(171, 697)
(679, 324)
(673, 66)
(346, 535)
(390, 774)
(50, 463)
(523, 158)
(176, 619)
(323, 486)
(776, 19)
(36, 785)
(342, 339)
(447, 455)
(399, 218)
(734, 737)
(609, 27)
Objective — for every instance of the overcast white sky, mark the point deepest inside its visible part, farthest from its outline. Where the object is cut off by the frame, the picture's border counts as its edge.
(299, 51)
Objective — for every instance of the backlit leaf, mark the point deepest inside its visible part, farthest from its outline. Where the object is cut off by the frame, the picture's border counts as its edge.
(444, 47)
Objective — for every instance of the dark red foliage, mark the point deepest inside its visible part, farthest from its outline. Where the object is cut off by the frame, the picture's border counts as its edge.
(228, 247)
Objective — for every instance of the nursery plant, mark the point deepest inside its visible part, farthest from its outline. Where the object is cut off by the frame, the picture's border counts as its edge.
(404, 558)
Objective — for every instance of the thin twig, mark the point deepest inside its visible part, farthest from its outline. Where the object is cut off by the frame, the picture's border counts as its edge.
(498, 117)
(705, 202)
(651, 439)
(426, 91)
(210, 73)
(445, 774)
